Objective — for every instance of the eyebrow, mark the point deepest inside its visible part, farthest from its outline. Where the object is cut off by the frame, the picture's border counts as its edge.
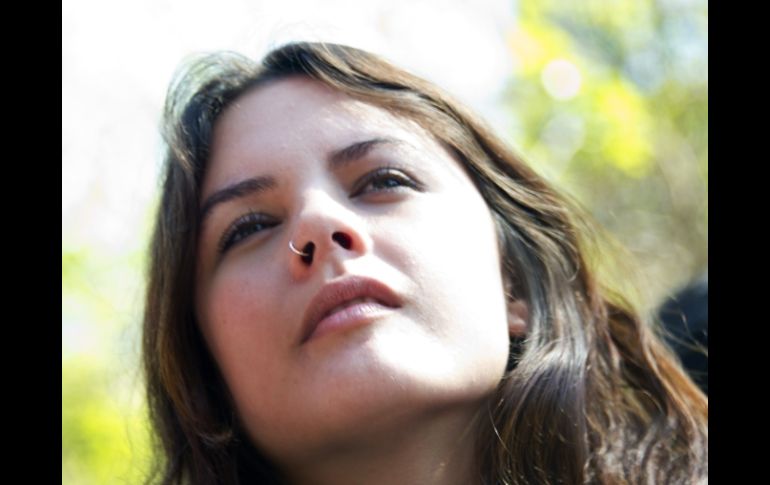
(335, 161)
(236, 191)
(339, 158)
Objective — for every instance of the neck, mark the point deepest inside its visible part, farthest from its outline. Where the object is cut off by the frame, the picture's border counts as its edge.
(434, 450)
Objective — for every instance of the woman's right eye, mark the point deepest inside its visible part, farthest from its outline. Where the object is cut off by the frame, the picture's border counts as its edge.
(244, 227)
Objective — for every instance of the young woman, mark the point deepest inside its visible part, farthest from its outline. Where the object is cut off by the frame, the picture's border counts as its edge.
(352, 280)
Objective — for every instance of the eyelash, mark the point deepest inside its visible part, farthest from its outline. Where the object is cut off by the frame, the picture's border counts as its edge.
(253, 222)
(385, 174)
(243, 227)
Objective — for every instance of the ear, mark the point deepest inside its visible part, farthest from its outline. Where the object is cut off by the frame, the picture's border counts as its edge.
(518, 318)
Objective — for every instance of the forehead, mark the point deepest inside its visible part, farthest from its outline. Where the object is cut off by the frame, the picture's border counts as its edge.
(296, 105)
(296, 119)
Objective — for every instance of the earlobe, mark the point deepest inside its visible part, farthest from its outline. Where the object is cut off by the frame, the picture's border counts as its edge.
(518, 318)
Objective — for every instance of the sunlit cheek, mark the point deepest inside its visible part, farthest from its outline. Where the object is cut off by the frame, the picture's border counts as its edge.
(449, 247)
(462, 242)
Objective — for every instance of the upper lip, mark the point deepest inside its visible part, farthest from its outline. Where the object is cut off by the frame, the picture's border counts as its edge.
(340, 291)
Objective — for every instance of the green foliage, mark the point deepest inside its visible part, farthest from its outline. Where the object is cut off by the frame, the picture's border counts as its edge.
(104, 430)
(104, 438)
(611, 100)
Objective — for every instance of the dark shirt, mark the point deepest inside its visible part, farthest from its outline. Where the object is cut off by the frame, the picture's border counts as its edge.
(685, 317)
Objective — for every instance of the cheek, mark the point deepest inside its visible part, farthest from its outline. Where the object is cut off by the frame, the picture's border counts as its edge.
(448, 246)
(242, 327)
(465, 262)
(235, 300)
(453, 244)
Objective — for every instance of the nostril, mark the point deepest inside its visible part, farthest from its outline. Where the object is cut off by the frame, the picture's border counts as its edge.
(309, 249)
(342, 239)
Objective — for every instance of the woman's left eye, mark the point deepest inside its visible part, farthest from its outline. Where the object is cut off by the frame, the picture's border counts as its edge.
(385, 180)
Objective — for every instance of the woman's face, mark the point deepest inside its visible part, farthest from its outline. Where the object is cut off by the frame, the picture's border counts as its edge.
(399, 311)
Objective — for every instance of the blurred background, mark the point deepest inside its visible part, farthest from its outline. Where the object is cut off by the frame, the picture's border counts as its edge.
(608, 99)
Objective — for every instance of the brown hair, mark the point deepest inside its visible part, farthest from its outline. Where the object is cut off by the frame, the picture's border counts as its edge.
(591, 394)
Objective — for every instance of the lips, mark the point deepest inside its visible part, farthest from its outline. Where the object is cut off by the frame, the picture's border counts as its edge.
(342, 293)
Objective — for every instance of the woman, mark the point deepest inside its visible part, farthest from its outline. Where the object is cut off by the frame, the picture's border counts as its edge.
(353, 281)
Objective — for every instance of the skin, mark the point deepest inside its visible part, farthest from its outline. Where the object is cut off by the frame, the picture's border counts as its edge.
(391, 401)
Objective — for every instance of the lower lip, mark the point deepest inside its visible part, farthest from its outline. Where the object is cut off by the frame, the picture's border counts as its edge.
(349, 318)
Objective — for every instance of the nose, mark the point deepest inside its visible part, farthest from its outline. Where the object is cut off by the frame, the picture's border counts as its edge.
(325, 231)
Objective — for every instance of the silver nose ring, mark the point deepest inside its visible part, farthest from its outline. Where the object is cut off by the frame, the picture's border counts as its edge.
(297, 251)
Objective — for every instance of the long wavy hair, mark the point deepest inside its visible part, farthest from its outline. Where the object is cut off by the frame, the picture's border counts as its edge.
(591, 395)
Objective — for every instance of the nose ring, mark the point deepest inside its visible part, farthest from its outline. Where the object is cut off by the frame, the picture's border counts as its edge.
(297, 251)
